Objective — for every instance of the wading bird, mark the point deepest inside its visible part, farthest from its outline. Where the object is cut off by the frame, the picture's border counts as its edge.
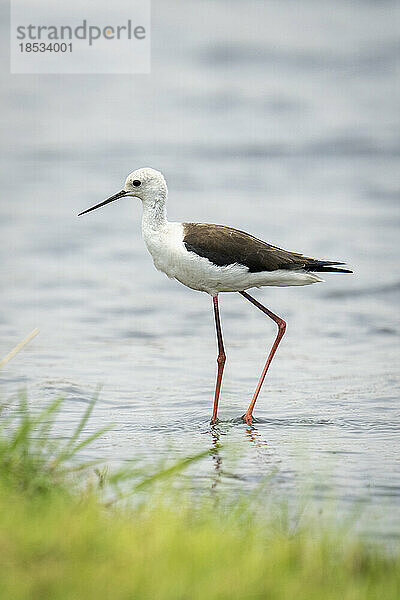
(215, 258)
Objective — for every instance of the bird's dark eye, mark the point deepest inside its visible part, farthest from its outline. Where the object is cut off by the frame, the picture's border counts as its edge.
(136, 182)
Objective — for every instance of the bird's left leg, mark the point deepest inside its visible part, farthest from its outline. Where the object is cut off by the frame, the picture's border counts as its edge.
(220, 360)
(281, 330)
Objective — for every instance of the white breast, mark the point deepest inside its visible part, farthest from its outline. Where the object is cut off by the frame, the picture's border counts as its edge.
(165, 245)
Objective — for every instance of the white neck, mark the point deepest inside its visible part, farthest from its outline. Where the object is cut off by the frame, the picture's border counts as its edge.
(154, 214)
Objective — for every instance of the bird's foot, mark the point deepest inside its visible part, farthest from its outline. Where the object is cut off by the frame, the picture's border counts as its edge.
(214, 421)
(247, 418)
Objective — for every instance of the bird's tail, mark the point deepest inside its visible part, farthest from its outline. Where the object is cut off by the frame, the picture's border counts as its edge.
(326, 266)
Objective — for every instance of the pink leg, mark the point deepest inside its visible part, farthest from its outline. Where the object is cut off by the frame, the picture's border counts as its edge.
(281, 330)
(220, 360)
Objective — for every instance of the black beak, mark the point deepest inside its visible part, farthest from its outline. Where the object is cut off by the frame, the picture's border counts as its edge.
(120, 194)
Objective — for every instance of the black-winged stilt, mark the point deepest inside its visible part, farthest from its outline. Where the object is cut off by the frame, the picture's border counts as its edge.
(215, 258)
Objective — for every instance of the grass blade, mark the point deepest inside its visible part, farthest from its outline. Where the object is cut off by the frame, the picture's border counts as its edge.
(19, 347)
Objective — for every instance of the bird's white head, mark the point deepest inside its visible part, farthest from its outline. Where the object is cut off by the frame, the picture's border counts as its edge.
(147, 184)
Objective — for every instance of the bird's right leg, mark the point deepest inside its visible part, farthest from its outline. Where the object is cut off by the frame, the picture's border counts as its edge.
(220, 360)
(248, 417)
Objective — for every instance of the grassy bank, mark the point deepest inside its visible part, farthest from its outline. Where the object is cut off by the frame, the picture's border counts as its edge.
(62, 538)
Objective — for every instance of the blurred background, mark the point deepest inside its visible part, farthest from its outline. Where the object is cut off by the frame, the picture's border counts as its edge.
(279, 118)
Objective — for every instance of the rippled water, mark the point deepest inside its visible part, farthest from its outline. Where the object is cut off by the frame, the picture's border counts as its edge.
(280, 119)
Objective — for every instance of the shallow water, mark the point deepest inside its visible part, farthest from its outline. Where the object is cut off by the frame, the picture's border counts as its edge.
(278, 120)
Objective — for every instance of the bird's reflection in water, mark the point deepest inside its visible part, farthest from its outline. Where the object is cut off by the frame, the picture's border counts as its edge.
(216, 457)
(255, 438)
(264, 456)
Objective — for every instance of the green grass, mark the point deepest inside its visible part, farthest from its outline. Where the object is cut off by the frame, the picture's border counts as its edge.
(66, 533)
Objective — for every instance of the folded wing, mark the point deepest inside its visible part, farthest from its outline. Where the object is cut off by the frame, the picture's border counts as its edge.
(226, 246)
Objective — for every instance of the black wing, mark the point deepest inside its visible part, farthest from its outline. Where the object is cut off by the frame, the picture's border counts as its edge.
(225, 246)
